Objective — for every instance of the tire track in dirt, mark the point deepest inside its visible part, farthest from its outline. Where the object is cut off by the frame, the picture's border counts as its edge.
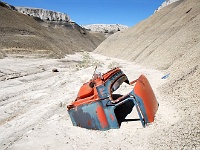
(32, 98)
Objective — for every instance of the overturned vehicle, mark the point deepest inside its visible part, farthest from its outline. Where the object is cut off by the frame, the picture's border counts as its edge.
(96, 107)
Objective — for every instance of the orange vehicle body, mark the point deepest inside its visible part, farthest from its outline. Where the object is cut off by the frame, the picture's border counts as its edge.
(96, 107)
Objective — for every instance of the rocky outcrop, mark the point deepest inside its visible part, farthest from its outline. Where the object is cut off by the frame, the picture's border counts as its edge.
(165, 3)
(105, 28)
(45, 15)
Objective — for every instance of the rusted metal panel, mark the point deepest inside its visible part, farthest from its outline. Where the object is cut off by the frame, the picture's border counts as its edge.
(94, 116)
(95, 107)
(143, 90)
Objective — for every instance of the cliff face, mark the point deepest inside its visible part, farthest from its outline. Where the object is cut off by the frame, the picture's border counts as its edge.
(45, 15)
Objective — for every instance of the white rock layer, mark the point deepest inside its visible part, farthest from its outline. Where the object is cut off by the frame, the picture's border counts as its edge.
(165, 3)
(105, 27)
(44, 14)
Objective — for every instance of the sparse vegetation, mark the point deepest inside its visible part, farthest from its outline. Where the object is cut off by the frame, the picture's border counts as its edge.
(88, 61)
(113, 65)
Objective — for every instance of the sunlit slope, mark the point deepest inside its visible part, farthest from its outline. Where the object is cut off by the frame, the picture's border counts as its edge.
(162, 39)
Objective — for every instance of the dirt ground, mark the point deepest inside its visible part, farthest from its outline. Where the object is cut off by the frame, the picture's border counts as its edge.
(33, 102)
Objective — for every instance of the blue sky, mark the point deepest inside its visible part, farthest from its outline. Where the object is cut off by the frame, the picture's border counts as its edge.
(83, 12)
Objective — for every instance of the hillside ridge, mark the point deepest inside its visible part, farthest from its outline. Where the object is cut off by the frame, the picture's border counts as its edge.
(30, 36)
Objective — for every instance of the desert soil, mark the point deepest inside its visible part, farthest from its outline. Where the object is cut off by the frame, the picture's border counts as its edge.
(33, 102)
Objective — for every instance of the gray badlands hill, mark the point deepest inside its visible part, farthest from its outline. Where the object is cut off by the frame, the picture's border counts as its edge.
(168, 40)
(53, 36)
(161, 40)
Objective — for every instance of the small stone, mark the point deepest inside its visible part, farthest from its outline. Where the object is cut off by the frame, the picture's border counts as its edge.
(55, 70)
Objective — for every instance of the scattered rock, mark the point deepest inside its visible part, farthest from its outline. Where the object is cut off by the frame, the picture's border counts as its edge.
(55, 70)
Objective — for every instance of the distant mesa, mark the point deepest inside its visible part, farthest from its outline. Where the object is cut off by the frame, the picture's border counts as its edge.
(106, 29)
